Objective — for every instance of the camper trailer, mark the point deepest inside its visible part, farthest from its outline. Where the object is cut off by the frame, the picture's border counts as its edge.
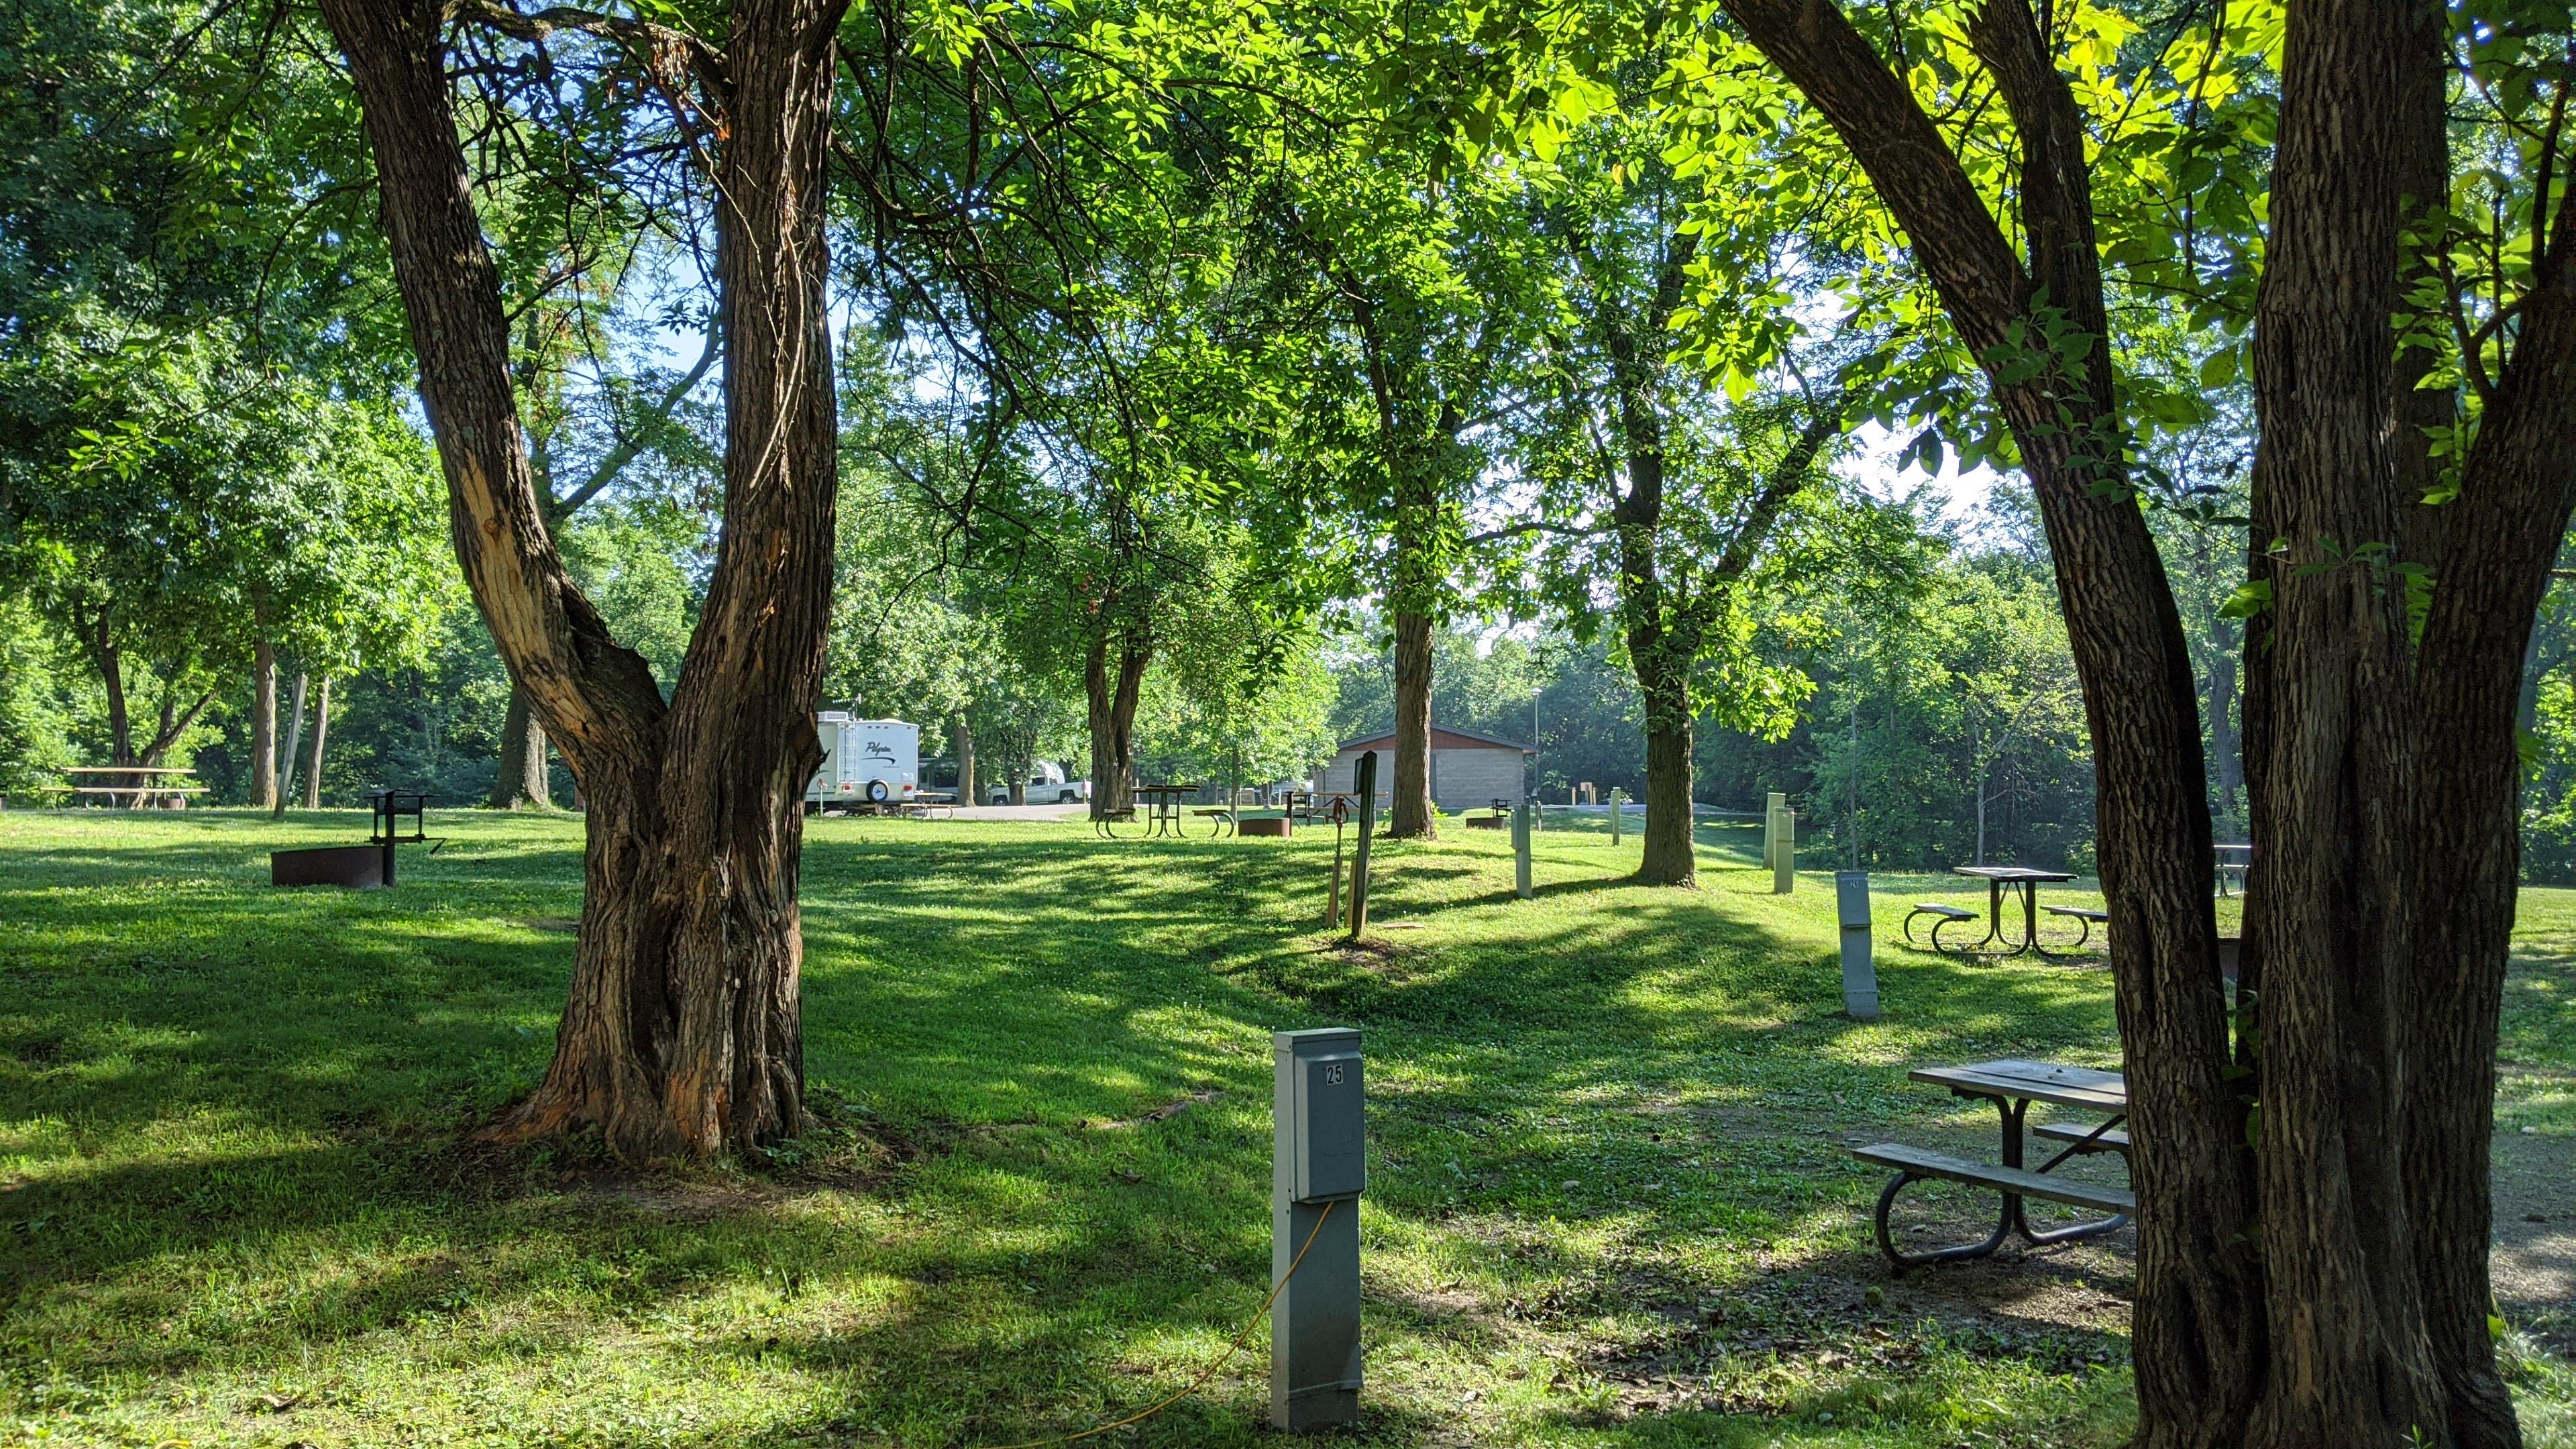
(873, 762)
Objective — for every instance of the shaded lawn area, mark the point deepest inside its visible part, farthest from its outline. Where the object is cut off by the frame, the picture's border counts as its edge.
(1610, 1204)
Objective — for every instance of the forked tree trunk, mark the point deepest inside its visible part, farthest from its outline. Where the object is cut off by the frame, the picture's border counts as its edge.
(519, 780)
(263, 726)
(1111, 699)
(321, 736)
(2512, 511)
(2198, 1321)
(294, 746)
(1412, 816)
(681, 1033)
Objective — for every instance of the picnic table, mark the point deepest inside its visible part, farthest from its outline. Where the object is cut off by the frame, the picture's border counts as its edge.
(2013, 1085)
(148, 788)
(1163, 807)
(1333, 805)
(2232, 857)
(1998, 879)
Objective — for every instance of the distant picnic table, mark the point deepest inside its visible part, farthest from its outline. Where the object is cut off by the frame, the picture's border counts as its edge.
(2013, 1085)
(1163, 807)
(1999, 878)
(2232, 858)
(149, 788)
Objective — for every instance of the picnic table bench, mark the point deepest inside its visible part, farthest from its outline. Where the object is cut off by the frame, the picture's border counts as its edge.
(2013, 1085)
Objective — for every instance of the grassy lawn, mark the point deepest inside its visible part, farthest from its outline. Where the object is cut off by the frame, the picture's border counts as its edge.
(1610, 1204)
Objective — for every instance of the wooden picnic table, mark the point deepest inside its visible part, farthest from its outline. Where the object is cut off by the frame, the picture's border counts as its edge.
(2013, 1085)
(1335, 806)
(2232, 857)
(147, 789)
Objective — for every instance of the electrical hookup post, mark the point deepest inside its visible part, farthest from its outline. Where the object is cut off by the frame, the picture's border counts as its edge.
(1780, 843)
(1860, 965)
(1318, 1168)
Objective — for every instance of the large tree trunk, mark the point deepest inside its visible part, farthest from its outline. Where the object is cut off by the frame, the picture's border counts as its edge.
(2198, 1318)
(1111, 700)
(519, 779)
(681, 1033)
(2350, 1362)
(1413, 815)
(1669, 859)
(965, 763)
(263, 726)
(321, 734)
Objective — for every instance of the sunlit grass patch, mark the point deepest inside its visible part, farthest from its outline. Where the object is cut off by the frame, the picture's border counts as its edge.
(1610, 1202)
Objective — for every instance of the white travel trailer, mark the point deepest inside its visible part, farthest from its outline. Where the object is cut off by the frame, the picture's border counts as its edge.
(865, 762)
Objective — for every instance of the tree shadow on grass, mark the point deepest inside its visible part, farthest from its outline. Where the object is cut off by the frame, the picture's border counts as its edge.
(1005, 994)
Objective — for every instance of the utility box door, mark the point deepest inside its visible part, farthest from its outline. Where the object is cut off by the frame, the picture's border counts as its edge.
(1330, 1128)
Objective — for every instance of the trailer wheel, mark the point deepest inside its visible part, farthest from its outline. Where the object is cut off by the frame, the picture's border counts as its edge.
(877, 792)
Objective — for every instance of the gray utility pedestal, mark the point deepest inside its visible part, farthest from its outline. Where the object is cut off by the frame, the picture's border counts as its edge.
(1860, 966)
(1319, 1166)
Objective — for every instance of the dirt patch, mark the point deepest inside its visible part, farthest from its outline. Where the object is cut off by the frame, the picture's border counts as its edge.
(2535, 1224)
(1162, 1113)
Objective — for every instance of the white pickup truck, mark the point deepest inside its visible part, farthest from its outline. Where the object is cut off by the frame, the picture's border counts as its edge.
(1046, 784)
(865, 762)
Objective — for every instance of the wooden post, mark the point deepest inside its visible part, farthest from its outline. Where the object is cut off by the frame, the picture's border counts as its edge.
(1360, 853)
(1521, 829)
(1614, 815)
(1333, 911)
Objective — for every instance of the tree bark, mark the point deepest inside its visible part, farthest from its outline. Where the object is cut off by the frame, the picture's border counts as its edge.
(681, 1033)
(263, 726)
(1111, 700)
(1413, 816)
(2198, 1334)
(1669, 856)
(2350, 1361)
(965, 763)
(294, 745)
(321, 735)
(2497, 549)
(108, 659)
(519, 781)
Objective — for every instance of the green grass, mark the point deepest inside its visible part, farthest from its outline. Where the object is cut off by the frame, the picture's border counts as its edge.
(1609, 1203)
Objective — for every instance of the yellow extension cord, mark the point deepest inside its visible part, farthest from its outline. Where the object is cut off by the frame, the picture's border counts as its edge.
(1193, 1386)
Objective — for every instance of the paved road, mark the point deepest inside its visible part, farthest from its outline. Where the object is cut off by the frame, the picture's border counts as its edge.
(1022, 812)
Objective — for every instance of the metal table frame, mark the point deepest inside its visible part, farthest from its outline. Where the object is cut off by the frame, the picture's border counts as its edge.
(1163, 808)
(1996, 878)
(2012, 1085)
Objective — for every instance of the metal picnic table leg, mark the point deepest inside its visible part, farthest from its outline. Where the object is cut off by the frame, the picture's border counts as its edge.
(2091, 1228)
(1994, 915)
(2005, 1220)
